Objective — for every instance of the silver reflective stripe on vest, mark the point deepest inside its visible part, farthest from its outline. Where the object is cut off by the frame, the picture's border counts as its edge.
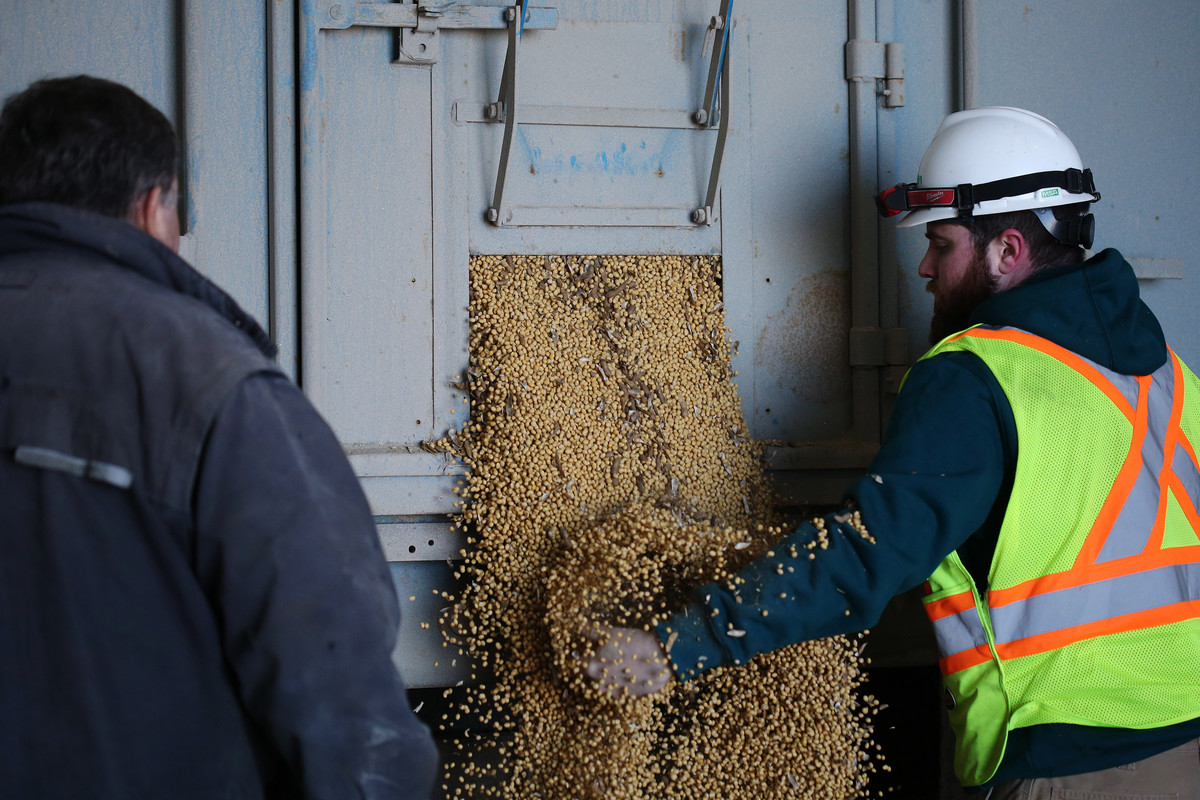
(1131, 531)
(1096, 601)
(1127, 385)
(1185, 468)
(959, 632)
(43, 458)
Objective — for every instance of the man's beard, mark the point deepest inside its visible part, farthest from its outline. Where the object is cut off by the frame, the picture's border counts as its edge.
(952, 307)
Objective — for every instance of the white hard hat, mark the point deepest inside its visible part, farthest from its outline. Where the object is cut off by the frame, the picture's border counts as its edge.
(993, 160)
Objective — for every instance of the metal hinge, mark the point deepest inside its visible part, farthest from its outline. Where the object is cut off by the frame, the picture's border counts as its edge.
(420, 22)
(866, 60)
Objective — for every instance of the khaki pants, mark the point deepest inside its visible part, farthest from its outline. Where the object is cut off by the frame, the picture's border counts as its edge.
(1173, 774)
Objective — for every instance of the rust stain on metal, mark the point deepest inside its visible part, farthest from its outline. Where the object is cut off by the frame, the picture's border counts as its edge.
(804, 346)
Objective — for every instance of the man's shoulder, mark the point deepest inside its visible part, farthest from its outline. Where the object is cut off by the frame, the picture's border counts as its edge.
(88, 293)
(98, 269)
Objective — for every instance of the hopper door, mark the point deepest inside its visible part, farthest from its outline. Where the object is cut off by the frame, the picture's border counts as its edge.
(401, 138)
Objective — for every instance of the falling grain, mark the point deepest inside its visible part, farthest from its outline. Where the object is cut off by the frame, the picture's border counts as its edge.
(614, 518)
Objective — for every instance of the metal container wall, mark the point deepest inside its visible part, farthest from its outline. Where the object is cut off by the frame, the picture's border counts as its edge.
(338, 188)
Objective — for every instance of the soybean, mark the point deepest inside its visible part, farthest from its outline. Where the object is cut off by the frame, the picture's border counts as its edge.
(610, 473)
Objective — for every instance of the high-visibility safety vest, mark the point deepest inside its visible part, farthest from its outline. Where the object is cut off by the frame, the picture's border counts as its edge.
(1092, 610)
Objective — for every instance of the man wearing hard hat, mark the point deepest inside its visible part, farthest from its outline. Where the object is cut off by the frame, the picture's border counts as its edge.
(1039, 476)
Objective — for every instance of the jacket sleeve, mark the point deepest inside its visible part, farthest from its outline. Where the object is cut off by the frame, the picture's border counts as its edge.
(286, 550)
(937, 478)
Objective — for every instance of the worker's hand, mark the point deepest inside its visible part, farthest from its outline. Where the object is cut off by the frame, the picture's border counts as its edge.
(629, 660)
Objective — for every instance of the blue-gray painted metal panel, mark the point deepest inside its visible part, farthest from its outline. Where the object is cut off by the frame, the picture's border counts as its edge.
(406, 494)
(216, 104)
(646, 63)
(422, 655)
(225, 192)
(424, 556)
(132, 41)
(785, 244)
(1112, 80)
(368, 277)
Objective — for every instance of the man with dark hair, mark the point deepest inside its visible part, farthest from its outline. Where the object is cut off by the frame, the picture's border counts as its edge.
(1039, 475)
(193, 599)
(115, 150)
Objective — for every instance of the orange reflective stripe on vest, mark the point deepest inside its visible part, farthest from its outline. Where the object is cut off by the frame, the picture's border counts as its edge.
(959, 631)
(1123, 579)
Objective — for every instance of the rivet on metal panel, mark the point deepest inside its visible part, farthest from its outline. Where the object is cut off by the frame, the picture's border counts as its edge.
(337, 12)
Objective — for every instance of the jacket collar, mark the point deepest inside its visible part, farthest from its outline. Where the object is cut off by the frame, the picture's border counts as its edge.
(1093, 309)
(31, 227)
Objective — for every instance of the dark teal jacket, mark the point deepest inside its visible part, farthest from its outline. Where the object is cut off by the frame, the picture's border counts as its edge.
(939, 483)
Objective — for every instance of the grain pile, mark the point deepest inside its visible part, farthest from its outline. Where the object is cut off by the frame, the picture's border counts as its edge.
(610, 473)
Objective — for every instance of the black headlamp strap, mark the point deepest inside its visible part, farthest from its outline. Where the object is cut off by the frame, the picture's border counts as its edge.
(908, 196)
(1075, 181)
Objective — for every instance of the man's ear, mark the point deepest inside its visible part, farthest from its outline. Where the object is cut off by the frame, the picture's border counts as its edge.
(155, 213)
(1009, 262)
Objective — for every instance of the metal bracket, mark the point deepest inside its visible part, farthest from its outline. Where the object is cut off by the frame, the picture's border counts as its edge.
(713, 111)
(893, 75)
(506, 104)
(419, 22)
(874, 61)
(419, 45)
(710, 113)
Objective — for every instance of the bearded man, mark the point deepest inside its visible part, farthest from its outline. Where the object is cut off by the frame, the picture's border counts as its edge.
(1039, 476)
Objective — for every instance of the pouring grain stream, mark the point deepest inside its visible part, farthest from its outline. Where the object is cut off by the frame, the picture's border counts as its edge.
(610, 472)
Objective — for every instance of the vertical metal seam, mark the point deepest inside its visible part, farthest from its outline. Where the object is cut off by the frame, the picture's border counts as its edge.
(282, 197)
(864, 230)
(181, 109)
(435, 114)
(312, 220)
(968, 54)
